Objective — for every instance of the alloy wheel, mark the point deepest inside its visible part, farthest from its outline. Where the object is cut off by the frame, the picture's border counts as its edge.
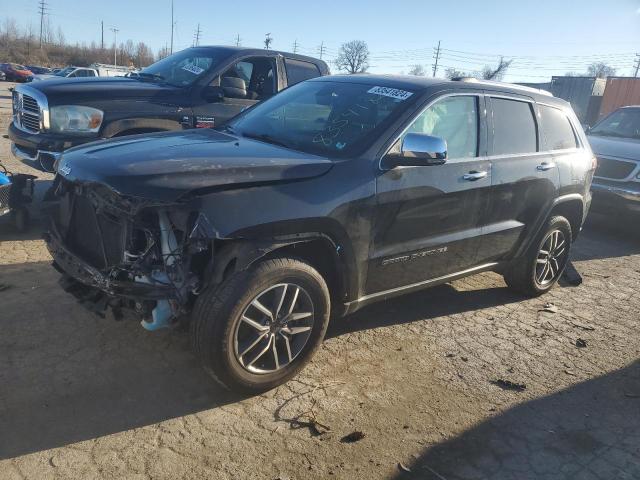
(274, 328)
(551, 258)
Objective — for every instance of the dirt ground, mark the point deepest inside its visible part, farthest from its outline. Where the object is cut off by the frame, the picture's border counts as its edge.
(419, 376)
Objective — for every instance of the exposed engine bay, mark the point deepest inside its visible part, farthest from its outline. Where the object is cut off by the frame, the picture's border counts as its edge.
(120, 252)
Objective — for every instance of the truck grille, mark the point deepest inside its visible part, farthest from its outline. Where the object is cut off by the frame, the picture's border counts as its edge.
(614, 169)
(26, 112)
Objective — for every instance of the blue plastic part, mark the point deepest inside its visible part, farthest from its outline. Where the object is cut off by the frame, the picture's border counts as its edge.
(4, 179)
(161, 317)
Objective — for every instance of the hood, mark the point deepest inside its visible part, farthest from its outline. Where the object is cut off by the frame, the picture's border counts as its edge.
(627, 148)
(165, 166)
(99, 87)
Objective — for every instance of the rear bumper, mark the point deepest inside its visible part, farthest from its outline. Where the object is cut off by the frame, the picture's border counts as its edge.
(625, 195)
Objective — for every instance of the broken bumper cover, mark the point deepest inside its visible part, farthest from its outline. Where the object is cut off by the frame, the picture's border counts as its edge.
(73, 266)
(626, 195)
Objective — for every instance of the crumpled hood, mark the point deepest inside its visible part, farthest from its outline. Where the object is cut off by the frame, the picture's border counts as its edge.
(627, 148)
(165, 166)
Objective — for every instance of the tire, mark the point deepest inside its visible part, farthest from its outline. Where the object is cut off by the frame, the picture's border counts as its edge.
(526, 275)
(222, 338)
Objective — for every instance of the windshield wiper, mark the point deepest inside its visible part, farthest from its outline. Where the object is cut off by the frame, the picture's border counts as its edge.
(151, 76)
(265, 137)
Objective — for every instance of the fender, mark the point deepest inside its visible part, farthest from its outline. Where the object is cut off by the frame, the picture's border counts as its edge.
(123, 125)
(544, 215)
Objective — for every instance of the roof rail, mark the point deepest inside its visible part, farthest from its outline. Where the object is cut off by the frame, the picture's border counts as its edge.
(503, 84)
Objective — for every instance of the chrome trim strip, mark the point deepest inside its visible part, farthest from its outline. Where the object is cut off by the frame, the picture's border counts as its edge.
(486, 266)
(22, 155)
(43, 103)
(626, 193)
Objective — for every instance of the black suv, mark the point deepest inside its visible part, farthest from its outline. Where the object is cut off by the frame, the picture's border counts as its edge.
(336, 193)
(199, 87)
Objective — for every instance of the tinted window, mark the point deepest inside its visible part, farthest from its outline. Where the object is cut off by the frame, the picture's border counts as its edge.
(90, 73)
(514, 127)
(556, 129)
(456, 120)
(624, 123)
(299, 71)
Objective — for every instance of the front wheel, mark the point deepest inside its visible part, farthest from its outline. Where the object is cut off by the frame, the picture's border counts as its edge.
(261, 326)
(543, 264)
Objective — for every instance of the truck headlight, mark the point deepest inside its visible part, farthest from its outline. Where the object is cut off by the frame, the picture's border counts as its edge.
(75, 119)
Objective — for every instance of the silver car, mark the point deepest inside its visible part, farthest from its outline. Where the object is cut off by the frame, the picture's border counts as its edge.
(615, 141)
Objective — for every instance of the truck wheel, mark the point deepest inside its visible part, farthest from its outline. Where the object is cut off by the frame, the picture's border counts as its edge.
(540, 268)
(261, 326)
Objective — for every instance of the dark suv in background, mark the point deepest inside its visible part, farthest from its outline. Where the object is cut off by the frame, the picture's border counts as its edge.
(199, 87)
(336, 193)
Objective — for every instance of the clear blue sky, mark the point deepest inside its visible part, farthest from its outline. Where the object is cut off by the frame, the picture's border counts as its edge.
(544, 37)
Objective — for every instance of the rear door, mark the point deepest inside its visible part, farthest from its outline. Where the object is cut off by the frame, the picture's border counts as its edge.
(525, 177)
(429, 219)
(298, 70)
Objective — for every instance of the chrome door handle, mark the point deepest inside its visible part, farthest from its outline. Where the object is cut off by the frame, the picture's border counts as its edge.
(543, 167)
(473, 176)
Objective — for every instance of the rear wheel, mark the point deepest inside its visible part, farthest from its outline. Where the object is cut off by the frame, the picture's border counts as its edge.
(543, 264)
(259, 328)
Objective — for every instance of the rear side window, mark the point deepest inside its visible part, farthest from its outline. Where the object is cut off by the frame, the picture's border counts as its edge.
(514, 127)
(556, 129)
(299, 71)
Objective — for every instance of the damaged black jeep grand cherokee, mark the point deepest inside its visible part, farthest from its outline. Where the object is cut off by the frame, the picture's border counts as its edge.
(338, 192)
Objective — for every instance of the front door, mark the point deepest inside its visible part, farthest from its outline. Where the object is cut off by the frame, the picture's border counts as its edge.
(525, 176)
(245, 83)
(429, 219)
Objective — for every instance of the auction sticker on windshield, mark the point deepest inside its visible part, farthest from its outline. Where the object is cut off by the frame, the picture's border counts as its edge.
(391, 92)
(191, 68)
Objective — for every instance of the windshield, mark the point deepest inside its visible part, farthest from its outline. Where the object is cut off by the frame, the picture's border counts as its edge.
(623, 123)
(335, 119)
(65, 71)
(183, 68)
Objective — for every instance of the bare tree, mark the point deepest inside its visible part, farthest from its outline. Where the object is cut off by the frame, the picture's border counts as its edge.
(417, 70)
(353, 57)
(267, 41)
(497, 73)
(455, 73)
(600, 70)
(163, 52)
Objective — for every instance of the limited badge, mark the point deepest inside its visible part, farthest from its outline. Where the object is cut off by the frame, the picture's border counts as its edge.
(205, 122)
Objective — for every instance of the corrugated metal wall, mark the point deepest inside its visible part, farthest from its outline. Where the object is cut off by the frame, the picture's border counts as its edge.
(620, 92)
(578, 91)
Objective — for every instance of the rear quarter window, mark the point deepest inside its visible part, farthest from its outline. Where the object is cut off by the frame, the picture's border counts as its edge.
(557, 132)
(514, 127)
(299, 71)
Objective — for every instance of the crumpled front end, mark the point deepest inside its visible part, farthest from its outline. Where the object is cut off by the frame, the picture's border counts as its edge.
(118, 252)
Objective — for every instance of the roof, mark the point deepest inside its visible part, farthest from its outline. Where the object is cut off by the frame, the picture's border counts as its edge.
(418, 83)
(261, 51)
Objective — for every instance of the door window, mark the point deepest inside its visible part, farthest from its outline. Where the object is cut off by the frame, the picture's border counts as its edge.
(557, 131)
(256, 75)
(299, 71)
(455, 119)
(514, 127)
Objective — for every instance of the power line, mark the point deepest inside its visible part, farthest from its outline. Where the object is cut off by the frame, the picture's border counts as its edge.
(42, 10)
(295, 46)
(238, 40)
(322, 49)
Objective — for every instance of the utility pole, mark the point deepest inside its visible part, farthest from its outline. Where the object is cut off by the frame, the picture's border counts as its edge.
(173, 26)
(196, 37)
(295, 46)
(437, 57)
(321, 49)
(115, 45)
(238, 40)
(42, 10)
(267, 41)
(101, 35)
(635, 75)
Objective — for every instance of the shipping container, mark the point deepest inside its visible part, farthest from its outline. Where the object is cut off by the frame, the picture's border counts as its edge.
(583, 93)
(620, 92)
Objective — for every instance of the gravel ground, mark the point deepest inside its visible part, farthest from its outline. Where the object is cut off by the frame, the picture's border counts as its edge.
(419, 376)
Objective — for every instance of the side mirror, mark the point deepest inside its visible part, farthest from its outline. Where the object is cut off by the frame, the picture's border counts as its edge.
(587, 128)
(213, 94)
(420, 150)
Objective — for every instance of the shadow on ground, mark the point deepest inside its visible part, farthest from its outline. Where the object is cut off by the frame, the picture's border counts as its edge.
(589, 431)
